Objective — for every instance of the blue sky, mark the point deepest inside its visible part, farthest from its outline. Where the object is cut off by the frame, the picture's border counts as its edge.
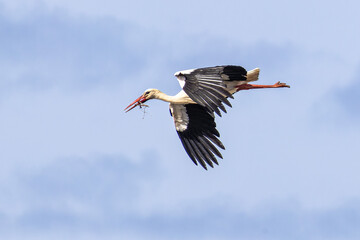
(74, 165)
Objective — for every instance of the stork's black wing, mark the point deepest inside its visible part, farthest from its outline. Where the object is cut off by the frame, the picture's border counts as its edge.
(196, 128)
(207, 86)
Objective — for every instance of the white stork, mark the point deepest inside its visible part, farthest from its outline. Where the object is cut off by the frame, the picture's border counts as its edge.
(204, 90)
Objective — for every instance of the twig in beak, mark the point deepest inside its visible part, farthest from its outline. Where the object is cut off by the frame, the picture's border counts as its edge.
(142, 105)
(144, 111)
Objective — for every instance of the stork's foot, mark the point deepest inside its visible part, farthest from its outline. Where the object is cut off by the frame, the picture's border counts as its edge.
(280, 84)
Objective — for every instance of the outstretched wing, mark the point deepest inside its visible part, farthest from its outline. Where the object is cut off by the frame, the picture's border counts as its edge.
(207, 86)
(196, 128)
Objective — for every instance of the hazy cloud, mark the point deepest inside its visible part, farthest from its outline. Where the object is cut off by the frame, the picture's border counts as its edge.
(54, 50)
(349, 96)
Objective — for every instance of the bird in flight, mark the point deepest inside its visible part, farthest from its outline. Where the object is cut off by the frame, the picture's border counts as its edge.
(204, 92)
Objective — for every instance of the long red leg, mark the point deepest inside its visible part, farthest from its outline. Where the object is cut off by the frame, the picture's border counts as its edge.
(247, 86)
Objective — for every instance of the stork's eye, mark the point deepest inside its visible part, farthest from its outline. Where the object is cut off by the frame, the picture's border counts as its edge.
(147, 93)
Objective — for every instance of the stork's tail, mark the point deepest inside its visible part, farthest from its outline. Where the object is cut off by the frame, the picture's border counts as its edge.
(253, 75)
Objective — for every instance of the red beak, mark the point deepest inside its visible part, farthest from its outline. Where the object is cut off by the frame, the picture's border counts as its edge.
(136, 103)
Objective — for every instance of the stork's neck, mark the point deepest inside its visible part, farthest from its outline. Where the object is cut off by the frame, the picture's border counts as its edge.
(180, 98)
(164, 97)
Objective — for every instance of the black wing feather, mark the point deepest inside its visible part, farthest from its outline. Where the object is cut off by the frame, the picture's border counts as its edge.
(207, 86)
(200, 136)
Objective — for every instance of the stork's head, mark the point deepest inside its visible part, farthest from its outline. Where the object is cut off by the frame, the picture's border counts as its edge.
(147, 95)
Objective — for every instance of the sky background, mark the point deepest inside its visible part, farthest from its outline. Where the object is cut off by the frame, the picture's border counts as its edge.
(73, 165)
